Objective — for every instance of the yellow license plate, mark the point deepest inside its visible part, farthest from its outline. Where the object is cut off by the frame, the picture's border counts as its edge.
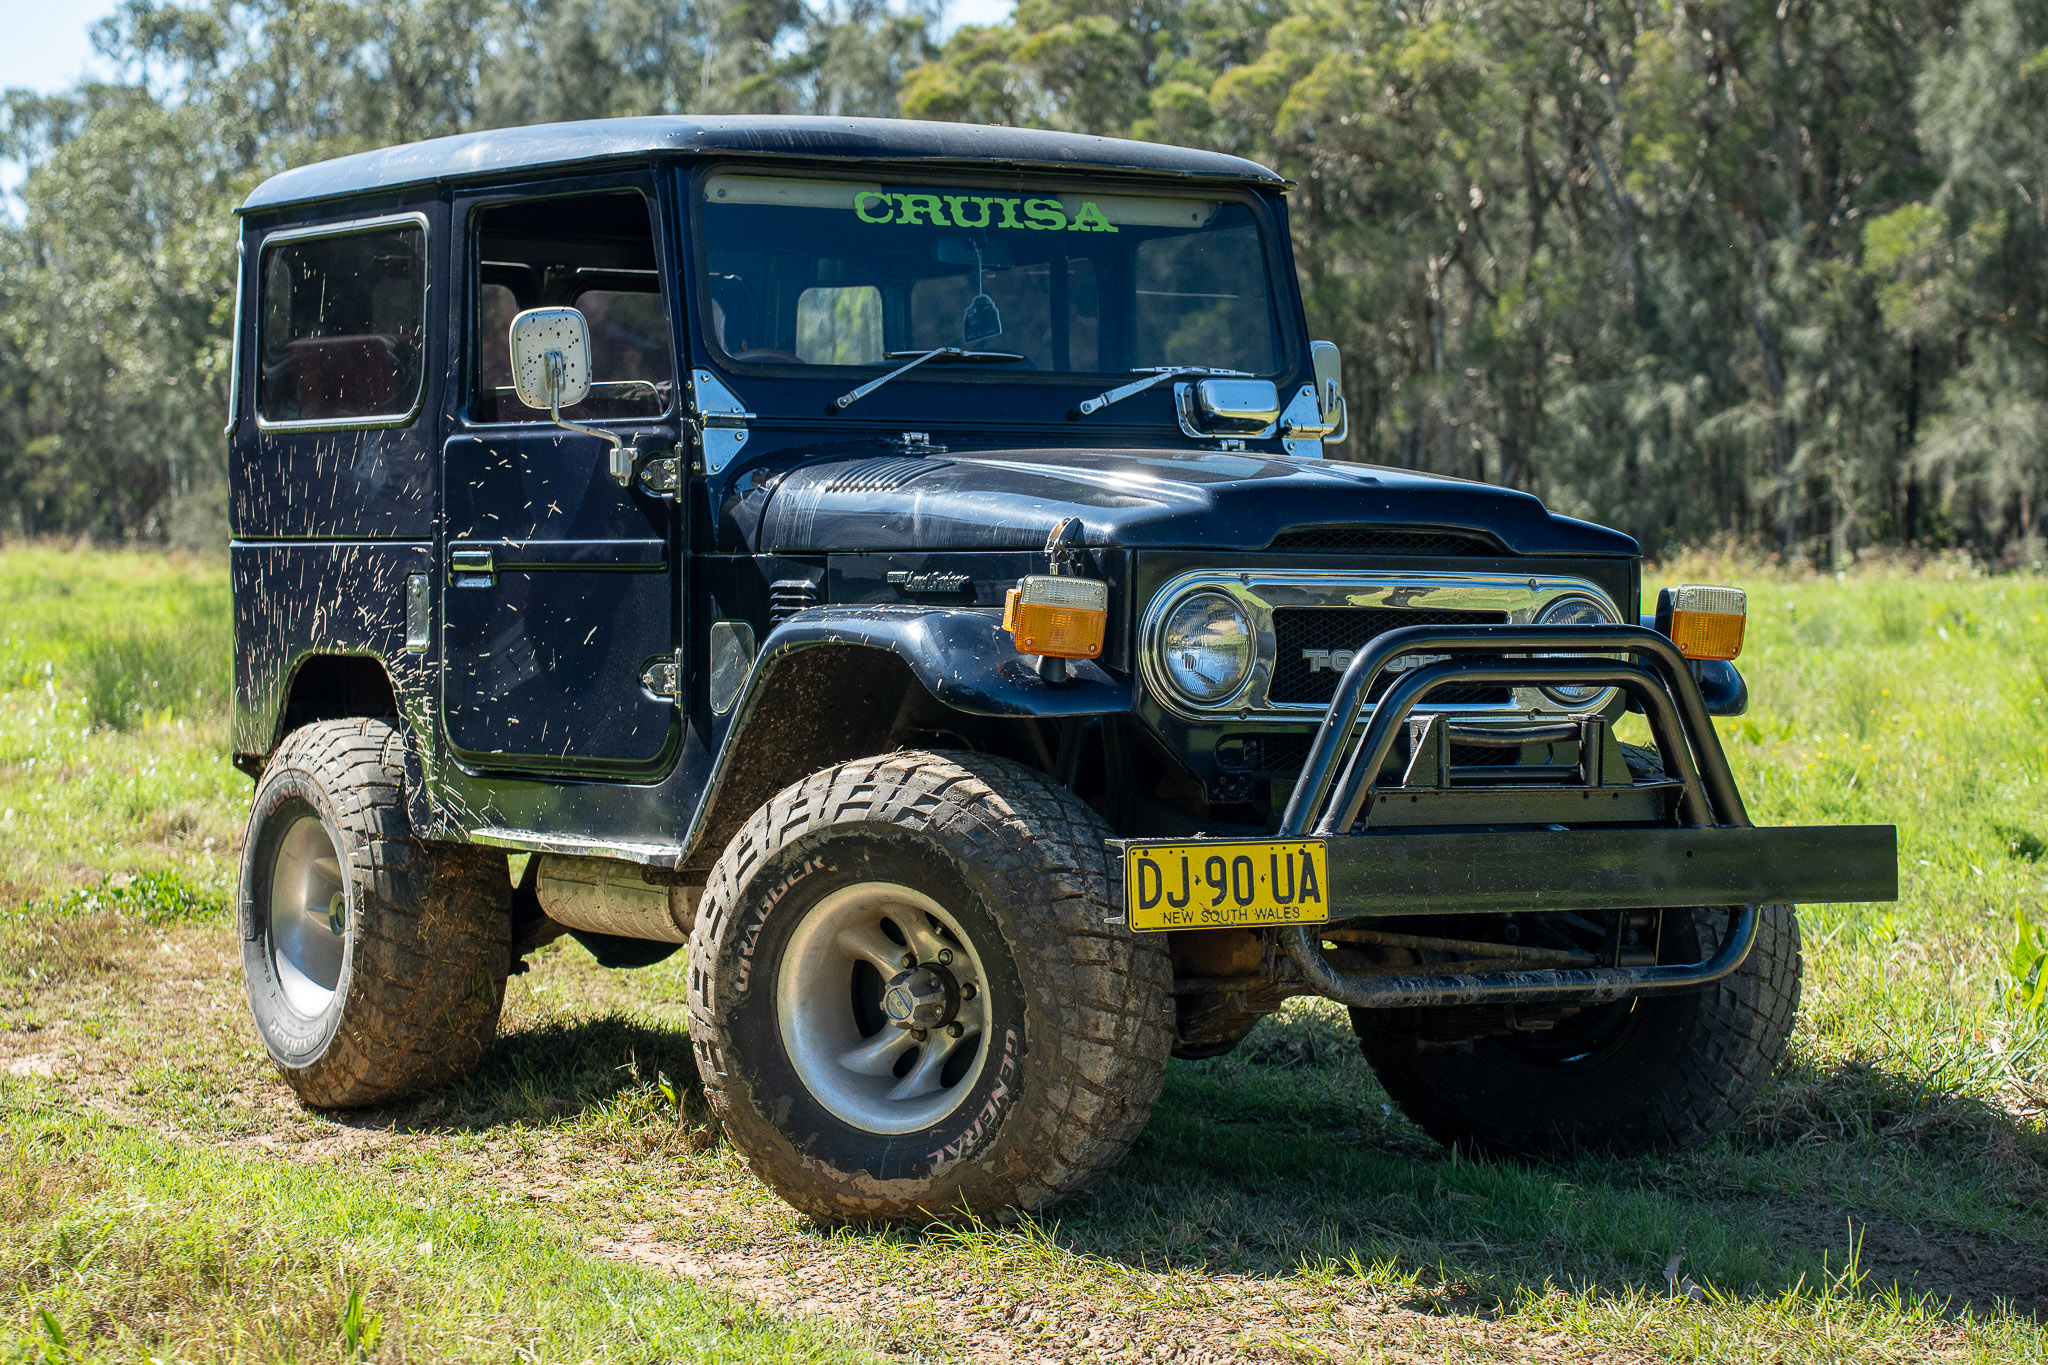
(1211, 884)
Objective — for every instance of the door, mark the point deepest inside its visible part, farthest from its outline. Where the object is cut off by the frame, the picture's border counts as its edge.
(562, 609)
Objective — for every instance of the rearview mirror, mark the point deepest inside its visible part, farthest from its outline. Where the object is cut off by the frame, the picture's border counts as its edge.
(551, 358)
(967, 251)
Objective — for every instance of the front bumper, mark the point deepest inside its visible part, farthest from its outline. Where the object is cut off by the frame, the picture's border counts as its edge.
(1441, 840)
(1519, 871)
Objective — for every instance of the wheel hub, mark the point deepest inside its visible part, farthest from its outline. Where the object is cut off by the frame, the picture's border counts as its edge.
(883, 1007)
(308, 916)
(925, 996)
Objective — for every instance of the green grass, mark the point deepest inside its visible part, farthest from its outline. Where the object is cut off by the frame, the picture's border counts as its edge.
(1886, 1199)
(124, 1246)
(114, 674)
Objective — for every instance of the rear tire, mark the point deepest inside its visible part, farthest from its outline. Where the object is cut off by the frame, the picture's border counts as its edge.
(1659, 1071)
(375, 963)
(898, 864)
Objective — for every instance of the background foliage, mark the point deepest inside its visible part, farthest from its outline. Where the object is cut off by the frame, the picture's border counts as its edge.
(1770, 268)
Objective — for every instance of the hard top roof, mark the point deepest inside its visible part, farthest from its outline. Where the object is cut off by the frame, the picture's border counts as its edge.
(469, 155)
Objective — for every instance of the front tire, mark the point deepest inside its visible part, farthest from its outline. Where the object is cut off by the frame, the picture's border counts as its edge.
(1653, 1072)
(987, 888)
(375, 963)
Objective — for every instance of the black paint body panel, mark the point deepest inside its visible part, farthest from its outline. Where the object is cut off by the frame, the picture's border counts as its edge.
(327, 598)
(1139, 498)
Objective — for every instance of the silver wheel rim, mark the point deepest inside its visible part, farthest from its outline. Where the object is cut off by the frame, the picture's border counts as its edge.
(865, 1070)
(308, 916)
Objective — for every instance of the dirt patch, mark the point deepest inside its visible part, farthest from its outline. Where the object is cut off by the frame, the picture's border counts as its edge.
(926, 1311)
(1984, 1275)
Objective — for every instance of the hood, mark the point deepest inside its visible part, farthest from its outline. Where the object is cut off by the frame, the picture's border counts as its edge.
(1129, 499)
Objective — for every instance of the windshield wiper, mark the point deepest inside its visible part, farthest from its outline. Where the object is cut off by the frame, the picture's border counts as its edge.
(958, 355)
(1154, 374)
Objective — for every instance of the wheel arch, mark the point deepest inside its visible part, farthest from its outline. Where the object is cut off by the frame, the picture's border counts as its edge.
(329, 685)
(835, 684)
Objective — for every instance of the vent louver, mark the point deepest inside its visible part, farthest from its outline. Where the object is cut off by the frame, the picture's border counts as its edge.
(1384, 540)
(788, 596)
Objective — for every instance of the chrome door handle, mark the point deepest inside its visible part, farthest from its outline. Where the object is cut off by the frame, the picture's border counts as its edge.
(472, 568)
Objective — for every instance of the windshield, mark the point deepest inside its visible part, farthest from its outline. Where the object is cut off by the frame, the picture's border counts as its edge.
(842, 274)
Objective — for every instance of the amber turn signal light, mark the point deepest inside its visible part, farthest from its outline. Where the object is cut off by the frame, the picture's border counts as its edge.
(1704, 620)
(1056, 616)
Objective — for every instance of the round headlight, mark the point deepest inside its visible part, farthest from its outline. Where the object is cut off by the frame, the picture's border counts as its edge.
(1575, 611)
(1205, 648)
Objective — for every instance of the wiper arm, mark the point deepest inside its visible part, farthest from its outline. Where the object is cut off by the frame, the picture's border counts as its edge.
(1154, 374)
(955, 354)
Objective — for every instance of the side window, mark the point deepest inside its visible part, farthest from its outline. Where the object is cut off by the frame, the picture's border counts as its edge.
(591, 252)
(496, 306)
(341, 333)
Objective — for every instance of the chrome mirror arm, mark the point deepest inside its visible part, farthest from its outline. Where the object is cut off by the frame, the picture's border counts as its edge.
(621, 459)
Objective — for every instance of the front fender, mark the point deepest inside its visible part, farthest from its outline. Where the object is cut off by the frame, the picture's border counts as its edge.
(825, 686)
(1723, 688)
(963, 656)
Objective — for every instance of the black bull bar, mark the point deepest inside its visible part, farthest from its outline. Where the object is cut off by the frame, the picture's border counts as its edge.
(1711, 856)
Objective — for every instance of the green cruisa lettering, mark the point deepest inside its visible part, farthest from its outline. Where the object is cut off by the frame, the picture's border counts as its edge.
(977, 211)
(1090, 219)
(1046, 215)
(908, 206)
(958, 203)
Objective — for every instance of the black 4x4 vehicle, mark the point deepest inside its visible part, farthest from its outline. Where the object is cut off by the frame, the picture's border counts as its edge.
(895, 561)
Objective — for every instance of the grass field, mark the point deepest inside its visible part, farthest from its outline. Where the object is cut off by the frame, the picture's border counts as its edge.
(165, 1197)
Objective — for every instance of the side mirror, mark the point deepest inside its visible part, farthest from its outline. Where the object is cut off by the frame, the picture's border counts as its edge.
(1240, 408)
(551, 369)
(551, 358)
(1329, 367)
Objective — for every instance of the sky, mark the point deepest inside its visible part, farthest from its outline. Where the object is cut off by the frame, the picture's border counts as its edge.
(47, 47)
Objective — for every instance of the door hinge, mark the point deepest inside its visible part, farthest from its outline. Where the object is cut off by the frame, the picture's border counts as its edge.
(662, 477)
(419, 614)
(663, 677)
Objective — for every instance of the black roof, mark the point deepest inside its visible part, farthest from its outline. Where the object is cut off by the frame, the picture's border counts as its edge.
(470, 155)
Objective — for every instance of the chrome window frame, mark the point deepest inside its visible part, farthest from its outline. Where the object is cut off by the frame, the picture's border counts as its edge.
(351, 228)
(1522, 597)
(235, 337)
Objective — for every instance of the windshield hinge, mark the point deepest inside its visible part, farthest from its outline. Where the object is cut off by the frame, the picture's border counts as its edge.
(721, 419)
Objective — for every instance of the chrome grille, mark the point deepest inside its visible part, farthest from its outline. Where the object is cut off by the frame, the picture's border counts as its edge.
(1299, 630)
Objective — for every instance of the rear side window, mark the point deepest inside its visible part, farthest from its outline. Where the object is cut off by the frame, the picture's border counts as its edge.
(342, 331)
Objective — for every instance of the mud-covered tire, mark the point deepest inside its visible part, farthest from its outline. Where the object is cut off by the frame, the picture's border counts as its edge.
(406, 995)
(1077, 1017)
(1657, 1072)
